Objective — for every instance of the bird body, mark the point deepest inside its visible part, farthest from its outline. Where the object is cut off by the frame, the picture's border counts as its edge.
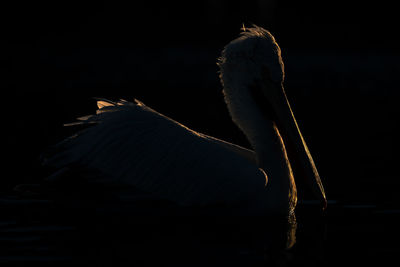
(131, 144)
(187, 167)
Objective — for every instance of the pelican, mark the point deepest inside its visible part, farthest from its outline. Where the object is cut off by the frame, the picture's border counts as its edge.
(130, 144)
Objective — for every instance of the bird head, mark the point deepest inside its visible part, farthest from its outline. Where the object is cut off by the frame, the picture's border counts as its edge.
(253, 63)
(248, 58)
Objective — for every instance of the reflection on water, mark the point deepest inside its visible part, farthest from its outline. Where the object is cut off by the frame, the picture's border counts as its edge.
(92, 234)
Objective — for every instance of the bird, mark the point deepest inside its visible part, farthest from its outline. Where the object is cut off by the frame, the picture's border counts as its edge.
(132, 145)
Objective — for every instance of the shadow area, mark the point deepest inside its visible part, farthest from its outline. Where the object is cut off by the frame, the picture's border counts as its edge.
(77, 224)
(73, 229)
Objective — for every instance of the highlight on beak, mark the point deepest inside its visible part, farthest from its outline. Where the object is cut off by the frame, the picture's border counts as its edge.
(298, 153)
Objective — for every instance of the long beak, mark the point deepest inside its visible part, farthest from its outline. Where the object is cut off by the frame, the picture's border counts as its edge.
(296, 147)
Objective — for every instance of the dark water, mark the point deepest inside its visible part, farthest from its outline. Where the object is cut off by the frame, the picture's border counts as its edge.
(48, 233)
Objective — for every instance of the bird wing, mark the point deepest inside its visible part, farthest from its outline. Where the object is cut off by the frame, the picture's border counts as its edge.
(131, 144)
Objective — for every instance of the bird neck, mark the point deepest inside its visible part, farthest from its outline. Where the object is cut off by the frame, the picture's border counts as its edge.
(265, 138)
(272, 158)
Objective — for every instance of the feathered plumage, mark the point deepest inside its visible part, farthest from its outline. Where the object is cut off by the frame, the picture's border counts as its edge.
(130, 144)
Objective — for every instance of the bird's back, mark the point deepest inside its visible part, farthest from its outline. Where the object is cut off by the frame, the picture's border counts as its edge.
(131, 144)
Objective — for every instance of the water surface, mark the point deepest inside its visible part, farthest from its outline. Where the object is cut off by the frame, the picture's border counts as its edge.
(47, 233)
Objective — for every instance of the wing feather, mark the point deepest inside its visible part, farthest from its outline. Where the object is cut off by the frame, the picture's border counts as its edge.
(131, 144)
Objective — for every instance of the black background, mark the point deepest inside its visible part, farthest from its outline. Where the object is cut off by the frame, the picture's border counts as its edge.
(342, 72)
